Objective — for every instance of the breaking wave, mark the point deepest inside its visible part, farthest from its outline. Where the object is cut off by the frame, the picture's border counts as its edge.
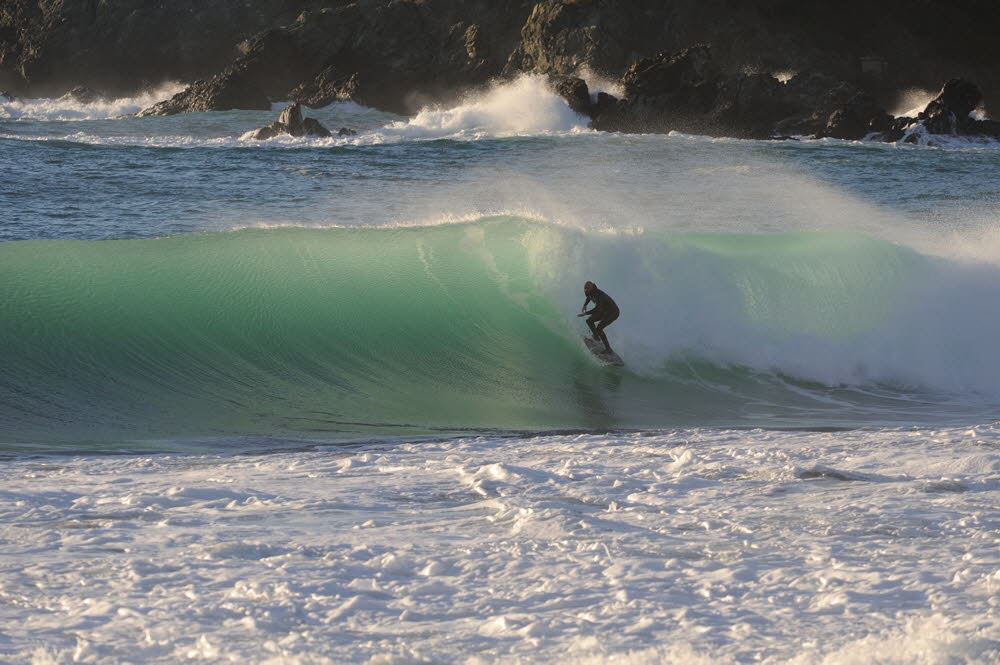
(66, 108)
(347, 332)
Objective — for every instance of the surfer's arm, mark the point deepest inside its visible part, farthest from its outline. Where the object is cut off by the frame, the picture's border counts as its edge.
(585, 302)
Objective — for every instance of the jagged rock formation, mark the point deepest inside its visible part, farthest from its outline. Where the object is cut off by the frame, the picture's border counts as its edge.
(688, 92)
(950, 113)
(121, 46)
(396, 56)
(292, 123)
(84, 95)
(401, 54)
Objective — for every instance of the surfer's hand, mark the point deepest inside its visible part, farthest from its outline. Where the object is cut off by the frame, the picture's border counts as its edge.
(582, 314)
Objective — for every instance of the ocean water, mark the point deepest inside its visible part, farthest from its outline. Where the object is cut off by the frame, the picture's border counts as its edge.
(326, 400)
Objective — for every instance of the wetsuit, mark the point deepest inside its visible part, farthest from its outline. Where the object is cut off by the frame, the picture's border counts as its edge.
(603, 315)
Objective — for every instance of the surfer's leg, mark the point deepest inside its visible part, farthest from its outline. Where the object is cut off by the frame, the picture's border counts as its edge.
(593, 329)
(603, 337)
(601, 325)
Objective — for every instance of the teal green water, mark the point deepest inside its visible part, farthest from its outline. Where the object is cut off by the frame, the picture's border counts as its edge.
(167, 284)
(326, 334)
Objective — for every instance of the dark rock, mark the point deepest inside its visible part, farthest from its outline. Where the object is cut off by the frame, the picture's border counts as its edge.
(667, 73)
(896, 130)
(291, 118)
(84, 95)
(328, 87)
(856, 119)
(664, 93)
(985, 128)
(814, 96)
(6, 96)
(268, 131)
(313, 127)
(291, 122)
(687, 92)
(345, 131)
(562, 37)
(603, 102)
(393, 55)
(123, 46)
(250, 83)
(950, 112)
(409, 51)
(747, 106)
(574, 90)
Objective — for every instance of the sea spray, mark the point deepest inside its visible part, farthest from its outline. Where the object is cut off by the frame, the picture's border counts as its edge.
(525, 106)
(66, 108)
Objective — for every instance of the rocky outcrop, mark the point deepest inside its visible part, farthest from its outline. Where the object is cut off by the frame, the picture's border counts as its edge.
(816, 96)
(292, 123)
(397, 56)
(84, 95)
(688, 92)
(951, 111)
(575, 91)
(329, 86)
(856, 119)
(259, 75)
(400, 55)
(123, 46)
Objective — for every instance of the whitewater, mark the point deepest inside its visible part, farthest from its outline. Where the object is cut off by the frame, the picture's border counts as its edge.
(313, 401)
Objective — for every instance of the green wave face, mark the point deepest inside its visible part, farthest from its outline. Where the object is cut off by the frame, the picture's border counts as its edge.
(343, 332)
(280, 330)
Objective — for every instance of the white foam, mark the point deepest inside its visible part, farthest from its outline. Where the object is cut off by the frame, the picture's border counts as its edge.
(523, 107)
(690, 547)
(67, 108)
(917, 134)
(833, 308)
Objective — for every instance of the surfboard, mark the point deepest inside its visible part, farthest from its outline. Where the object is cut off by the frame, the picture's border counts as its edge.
(606, 357)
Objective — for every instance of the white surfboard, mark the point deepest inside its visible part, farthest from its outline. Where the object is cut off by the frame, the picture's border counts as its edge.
(606, 357)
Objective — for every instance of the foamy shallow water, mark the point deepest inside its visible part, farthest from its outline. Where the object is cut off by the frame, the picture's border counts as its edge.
(691, 546)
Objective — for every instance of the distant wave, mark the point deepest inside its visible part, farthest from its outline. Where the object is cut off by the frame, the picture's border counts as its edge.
(66, 108)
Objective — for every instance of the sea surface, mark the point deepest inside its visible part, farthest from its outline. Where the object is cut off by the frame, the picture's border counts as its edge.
(325, 400)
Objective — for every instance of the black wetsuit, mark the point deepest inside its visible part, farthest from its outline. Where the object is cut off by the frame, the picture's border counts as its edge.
(603, 315)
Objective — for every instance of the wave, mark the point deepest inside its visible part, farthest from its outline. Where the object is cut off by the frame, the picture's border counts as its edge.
(357, 331)
(526, 106)
(66, 108)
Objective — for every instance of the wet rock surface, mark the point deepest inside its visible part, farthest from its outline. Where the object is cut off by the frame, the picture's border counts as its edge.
(292, 123)
(401, 55)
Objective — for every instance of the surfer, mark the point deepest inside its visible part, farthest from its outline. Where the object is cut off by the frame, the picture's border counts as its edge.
(605, 312)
